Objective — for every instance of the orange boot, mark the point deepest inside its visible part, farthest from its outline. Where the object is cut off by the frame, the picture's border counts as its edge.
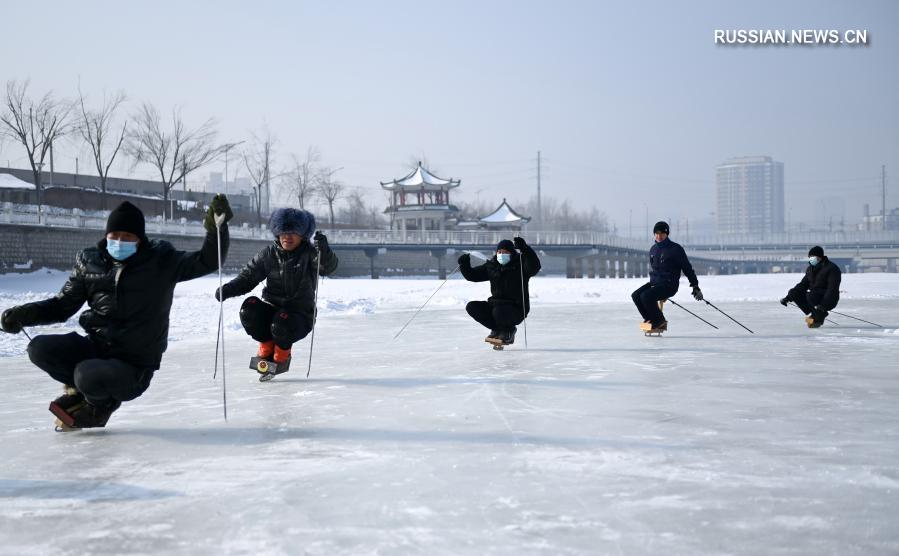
(282, 356)
(266, 349)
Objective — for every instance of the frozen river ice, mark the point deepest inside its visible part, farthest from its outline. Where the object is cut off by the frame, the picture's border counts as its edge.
(594, 439)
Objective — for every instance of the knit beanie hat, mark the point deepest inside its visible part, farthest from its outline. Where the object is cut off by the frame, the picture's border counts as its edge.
(126, 218)
(507, 245)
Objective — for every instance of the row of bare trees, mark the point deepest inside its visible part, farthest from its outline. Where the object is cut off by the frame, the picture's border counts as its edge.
(557, 215)
(167, 144)
(171, 148)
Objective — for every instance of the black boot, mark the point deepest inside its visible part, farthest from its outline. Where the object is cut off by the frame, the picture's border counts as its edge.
(90, 415)
(819, 315)
(494, 335)
(64, 406)
(508, 337)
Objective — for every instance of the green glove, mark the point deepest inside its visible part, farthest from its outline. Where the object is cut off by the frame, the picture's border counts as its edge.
(219, 213)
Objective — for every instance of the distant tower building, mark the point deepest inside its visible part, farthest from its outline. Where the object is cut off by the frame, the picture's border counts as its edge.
(750, 196)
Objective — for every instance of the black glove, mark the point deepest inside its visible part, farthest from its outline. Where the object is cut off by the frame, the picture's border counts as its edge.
(465, 259)
(519, 243)
(697, 293)
(9, 321)
(218, 207)
(321, 242)
(784, 301)
(218, 295)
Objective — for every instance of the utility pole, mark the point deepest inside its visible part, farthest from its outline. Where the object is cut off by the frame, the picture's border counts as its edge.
(228, 148)
(883, 194)
(51, 163)
(539, 201)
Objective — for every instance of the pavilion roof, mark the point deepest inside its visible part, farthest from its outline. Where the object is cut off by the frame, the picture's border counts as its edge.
(420, 178)
(504, 214)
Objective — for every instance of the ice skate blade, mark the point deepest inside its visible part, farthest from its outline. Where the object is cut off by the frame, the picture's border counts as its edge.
(59, 426)
(498, 347)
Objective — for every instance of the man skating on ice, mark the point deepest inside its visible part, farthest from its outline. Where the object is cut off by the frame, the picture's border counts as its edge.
(667, 260)
(503, 310)
(819, 290)
(128, 282)
(286, 312)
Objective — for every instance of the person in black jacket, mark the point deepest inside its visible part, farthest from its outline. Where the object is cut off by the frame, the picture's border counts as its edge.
(667, 260)
(508, 304)
(286, 312)
(819, 290)
(128, 282)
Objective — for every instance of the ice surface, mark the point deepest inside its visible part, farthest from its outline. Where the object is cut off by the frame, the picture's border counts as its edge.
(594, 440)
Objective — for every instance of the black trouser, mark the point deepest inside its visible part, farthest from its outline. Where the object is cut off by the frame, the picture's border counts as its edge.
(265, 322)
(806, 301)
(501, 317)
(647, 298)
(73, 359)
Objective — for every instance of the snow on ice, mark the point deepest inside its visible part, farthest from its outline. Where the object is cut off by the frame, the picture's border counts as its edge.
(594, 439)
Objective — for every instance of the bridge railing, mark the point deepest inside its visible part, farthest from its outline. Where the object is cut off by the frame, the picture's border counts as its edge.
(75, 218)
(795, 238)
(78, 219)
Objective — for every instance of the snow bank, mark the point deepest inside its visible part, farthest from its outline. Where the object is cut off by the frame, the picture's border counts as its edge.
(195, 311)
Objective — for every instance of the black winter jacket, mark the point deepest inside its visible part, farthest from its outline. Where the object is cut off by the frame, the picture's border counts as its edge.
(505, 280)
(289, 276)
(823, 278)
(129, 302)
(667, 259)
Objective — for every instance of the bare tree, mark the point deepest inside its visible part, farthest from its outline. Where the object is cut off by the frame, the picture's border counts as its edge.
(34, 124)
(174, 152)
(302, 178)
(355, 213)
(99, 129)
(421, 158)
(329, 189)
(258, 160)
(469, 210)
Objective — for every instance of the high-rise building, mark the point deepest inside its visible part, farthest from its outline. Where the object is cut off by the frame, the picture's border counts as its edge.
(750, 196)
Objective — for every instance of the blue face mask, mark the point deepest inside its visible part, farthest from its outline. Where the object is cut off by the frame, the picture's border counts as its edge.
(503, 258)
(120, 250)
(813, 261)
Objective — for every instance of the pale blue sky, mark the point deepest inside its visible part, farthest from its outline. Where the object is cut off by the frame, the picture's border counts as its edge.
(632, 104)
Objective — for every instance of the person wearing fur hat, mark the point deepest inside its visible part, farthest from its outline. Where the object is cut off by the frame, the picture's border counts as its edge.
(667, 260)
(286, 312)
(128, 281)
(508, 303)
(819, 290)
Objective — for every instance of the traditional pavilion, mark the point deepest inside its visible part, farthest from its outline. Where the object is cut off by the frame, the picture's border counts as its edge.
(421, 201)
(504, 218)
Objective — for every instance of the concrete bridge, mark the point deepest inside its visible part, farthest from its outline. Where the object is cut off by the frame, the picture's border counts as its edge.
(385, 252)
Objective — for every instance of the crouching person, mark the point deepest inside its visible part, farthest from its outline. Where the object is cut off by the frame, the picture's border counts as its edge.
(286, 312)
(128, 282)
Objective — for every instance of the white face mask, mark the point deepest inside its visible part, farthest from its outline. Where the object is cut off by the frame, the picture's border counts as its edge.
(503, 258)
(813, 261)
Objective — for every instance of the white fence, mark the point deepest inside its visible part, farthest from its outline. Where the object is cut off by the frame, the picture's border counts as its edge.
(75, 218)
